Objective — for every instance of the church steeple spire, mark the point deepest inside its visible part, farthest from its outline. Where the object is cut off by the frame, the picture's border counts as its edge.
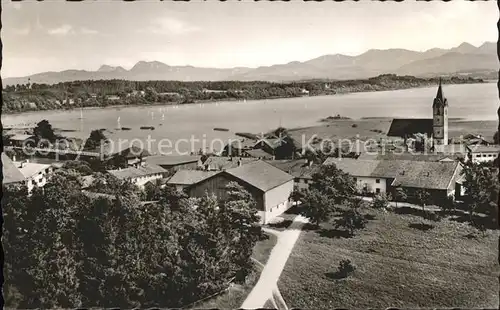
(440, 91)
(440, 100)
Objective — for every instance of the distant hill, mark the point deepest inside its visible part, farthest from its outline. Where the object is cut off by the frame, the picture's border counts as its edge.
(464, 59)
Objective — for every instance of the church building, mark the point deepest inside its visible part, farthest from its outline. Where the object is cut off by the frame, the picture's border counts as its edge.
(435, 130)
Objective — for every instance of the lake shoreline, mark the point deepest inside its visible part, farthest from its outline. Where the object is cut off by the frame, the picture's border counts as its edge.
(231, 100)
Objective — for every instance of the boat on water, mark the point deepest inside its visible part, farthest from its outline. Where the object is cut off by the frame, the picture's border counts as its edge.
(163, 117)
(118, 125)
(147, 128)
(81, 113)
(125, 128)
(220, 129)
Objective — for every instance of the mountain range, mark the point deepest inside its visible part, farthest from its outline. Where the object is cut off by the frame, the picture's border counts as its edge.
(463, 59)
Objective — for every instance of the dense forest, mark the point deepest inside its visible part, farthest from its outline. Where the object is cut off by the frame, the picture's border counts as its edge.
(102, 93)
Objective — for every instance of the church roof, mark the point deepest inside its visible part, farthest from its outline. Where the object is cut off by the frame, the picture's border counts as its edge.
(440, 99)
(401, 127)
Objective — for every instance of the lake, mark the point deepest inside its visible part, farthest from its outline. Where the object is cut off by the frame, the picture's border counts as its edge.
(468, 101)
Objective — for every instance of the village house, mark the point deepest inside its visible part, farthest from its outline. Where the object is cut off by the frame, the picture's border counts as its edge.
(213, 91)
(217, 163)
(112, 97)
(176, 162)
(483, 153)
(257, 153)
(185, 178)
(133, 155)
(20, 140)
(440, 179)
(269, 186)
(29, 174)
(139, 175)
(238, 147)
(409, 156)
(301, 170)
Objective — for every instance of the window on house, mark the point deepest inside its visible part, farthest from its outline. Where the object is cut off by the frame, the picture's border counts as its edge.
(377, 190)
(377, 180)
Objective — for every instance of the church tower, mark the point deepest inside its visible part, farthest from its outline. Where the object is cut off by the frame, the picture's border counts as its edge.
(440, 120)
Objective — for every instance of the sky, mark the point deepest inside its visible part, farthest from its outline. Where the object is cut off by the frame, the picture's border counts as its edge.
(56, 35)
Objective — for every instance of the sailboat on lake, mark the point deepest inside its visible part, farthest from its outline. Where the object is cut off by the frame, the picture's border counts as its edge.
(118, 125)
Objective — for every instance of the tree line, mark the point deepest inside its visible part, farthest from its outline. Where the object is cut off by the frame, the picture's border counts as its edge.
(65, 249)
(94, 93)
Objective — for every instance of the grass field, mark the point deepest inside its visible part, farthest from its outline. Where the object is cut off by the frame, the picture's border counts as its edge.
(377, 128)
(398, 265)
(234, 297)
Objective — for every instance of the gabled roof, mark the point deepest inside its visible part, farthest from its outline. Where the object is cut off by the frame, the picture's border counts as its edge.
(21, 137)
(31, 169)
(428, 175)
(298, 168)
(354, 167)
(410, 126)
(406, 173)
(172, 160)
(406, 156)
(11, 173)
(222, 163)
(242, 144)
(484, 148)
(260, 175)
(259, 153)
(87, 181)
(136, 172)
(273, 143)
(189, 177)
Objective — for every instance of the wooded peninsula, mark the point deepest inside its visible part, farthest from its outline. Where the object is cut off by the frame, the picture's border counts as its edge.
(103, 93)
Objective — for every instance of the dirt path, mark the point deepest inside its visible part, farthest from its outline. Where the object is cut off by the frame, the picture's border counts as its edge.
(270, 275)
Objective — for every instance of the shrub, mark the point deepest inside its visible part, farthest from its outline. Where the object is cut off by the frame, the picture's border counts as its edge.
(380, 201)
(346, 268)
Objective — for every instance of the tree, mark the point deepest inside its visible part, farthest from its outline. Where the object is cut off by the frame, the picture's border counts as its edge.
(317, 206)
(333, 182)
(481, 189)
(45, 273)
(330, 187)
(423, 198)
(297, 195)
(95, 140)
(400, 195)
(152, 191)
(380, 201)
(79, 166)
(43, 131)
(496, 140)
(351, 220)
